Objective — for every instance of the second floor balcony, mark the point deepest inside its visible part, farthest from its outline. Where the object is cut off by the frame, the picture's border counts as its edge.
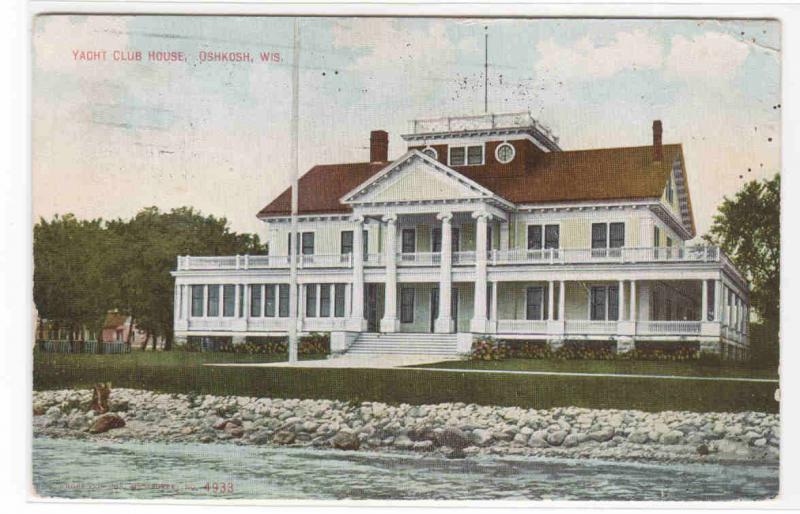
(546, 257)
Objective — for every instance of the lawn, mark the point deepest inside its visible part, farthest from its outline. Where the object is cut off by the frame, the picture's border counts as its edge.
(181, 372)
(627, 367)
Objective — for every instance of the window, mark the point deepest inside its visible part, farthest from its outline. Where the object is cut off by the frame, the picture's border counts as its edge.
(599, 235)
(338, 301)
(712, 299)
(308, 243)
(436, 239)
(457, 154)
(283, 300)
(604, 303)
(456, 239)
(669, 242)
(311, 300)
(670, 194)
(229, 300)
(213, 300)
(489, 238)
(474, 155)
(409, 240)
(505, 153)
(255, 300)
(431, 152)
(534, 304)
(656, 237)
(324, 300)
(534, 237)
(551, 236)
(346, 244)
(197, 301)
(241, 300)
(269, 301)
(407, 305)
(470, 155)
(616, 238)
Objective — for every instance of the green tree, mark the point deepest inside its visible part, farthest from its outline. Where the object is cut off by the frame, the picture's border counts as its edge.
(747, 228)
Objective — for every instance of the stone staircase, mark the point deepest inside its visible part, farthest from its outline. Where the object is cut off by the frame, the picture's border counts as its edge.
(369, 343)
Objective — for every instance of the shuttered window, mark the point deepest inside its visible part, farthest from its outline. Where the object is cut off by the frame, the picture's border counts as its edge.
(407, 305)
(534, 305)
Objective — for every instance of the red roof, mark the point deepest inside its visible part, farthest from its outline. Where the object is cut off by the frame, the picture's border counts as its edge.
(570, 176)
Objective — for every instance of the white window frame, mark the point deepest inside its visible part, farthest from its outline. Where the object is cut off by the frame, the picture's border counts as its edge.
(608, 233)
(607, 286)
(435, 155)
(497, 152)
(544, 226)
(466, 148)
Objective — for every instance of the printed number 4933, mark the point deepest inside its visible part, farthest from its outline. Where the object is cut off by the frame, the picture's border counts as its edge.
(219, 487)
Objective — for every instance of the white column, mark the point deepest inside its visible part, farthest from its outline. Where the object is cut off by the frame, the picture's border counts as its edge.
(632, 314)
(356, 311)
(621, 301)
(389, 323)
(562, 301)
(185, 301)
(478, 323)
(205, 301)
(704, 301)
(236, 305)
(301, 305)
(493, 313)
(717, 300)
(319, 299)
(550, 301)
(348, 302)
(444, 323)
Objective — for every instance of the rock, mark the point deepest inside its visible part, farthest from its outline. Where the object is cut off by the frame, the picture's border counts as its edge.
(702, 450)
(481, 437)
(53, 412)
(106, 423)
(119, 406)
(556, 438)
(403, 443)
(187, 430)
(259, 437)
(730, 448)
(537, 441)
(39, 410)
(453, 438)
(602, 435)
(452, 453)
(220, 425)
(235, 431)
(571, 441)
(639, 437)
(520, 439)
(423, 446)
(760, 443)
(672, 437)
(283, 437)
(424, 433)
(346, 441)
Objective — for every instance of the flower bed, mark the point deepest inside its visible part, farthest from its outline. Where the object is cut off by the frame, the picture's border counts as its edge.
(490, 349)
(314, 343)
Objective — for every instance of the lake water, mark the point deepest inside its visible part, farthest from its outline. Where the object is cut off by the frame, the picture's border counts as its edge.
(83, 469)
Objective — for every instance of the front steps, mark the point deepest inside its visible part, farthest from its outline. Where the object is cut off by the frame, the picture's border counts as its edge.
(399, 343)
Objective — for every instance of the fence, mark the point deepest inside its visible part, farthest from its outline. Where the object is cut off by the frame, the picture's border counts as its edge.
(64, 346)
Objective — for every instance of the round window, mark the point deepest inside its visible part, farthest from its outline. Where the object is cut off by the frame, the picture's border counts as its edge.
(431, 152)
(505, 153)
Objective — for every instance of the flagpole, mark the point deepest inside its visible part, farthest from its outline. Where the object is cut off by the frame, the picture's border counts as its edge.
(293, 243)
(486, 71)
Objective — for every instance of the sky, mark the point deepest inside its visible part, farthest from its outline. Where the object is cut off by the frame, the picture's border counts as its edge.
(113, 136)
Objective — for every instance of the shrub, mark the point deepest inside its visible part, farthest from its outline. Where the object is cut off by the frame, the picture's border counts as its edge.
(487, 349)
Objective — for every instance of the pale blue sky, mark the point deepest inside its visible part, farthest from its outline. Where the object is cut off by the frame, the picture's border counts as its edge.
(110, 138)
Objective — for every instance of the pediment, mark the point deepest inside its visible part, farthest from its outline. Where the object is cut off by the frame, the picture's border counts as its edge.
(416, 177)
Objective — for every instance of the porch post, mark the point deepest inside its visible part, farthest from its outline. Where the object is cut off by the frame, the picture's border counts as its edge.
(444, 323)
(562, 301)
(493, 313)
(621, 301)
(478, 323)
(185, 301)
(356, 312)
(389, 323)
(550, 301)
(717, 299)
(301, 305)
(704, 302)
(632, 314)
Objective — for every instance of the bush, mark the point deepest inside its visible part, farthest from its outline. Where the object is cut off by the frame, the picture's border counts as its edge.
(487, 349)
(314, 343)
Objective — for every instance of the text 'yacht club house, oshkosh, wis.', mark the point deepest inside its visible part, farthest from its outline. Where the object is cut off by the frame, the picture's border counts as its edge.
(483, 227)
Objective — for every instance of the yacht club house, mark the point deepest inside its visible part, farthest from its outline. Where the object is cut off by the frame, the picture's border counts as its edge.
(485, 226)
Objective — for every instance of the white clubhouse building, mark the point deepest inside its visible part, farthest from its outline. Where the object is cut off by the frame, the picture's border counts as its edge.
(483, 227)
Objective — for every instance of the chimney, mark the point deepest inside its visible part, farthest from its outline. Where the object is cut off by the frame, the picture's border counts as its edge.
(378, 146)
(658, 151)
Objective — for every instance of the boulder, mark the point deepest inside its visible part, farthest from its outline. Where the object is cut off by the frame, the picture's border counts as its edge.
(537, 441)
(346, 441)
(556, 438)
(106, 423)
(602, 435)
(234, 430)
(452, 453)
(481, 437)
(423, 446)
(422, 433)
(730, 448)
(403, 443)
(671, 437)
(520, 439)
(283, 437)
(639, 437)
(453, 437)
(702, 450)
(571, 441)
(259, 437)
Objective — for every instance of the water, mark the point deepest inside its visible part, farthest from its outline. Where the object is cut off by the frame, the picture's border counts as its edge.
(88, 469)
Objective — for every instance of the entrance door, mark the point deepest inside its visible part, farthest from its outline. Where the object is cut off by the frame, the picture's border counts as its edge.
(454, 308)
(371, 306)
(434, 306)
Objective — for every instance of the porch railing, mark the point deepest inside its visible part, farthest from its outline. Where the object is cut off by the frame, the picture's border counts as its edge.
(668, 327)
(521, 326)
(583, 326)
(494, 257)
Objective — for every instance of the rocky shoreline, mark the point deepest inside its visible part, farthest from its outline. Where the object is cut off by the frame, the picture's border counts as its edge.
(454, 430)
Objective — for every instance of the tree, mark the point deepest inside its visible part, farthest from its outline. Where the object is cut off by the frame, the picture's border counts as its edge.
(747, 228)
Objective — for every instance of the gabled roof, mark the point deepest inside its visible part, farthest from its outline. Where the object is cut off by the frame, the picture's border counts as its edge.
(603, 174)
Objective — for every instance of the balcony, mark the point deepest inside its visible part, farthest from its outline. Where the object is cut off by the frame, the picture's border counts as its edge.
(553, 256)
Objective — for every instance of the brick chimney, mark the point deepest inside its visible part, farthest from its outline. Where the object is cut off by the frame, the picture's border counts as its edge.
(378, 146)
(658, 150)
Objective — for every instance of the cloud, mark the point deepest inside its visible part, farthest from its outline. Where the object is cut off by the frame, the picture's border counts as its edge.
(711, 56)
(586, 59)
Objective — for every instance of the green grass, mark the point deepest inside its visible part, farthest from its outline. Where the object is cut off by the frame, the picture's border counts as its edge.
(685, 368)
(180, 372)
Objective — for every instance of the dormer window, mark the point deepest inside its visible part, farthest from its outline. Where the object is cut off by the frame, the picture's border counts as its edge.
(505, 153)
(470, 155)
